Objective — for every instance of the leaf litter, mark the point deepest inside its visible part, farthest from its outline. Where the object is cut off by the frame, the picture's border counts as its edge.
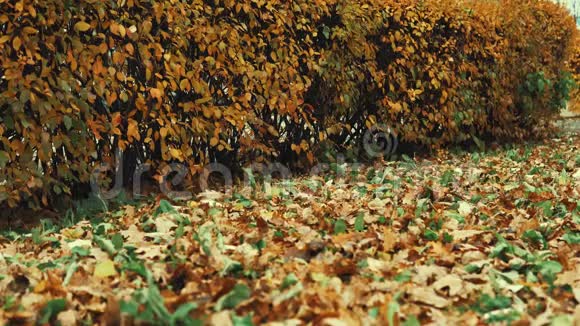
(455, 238)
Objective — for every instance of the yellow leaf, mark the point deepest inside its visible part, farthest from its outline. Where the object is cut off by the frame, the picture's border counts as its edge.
(32, 11)
(16, 43)
(295, 148)
(29, 30)
(72, 233)
(176, 153)
(435, 83)
(213, 142)
(133, 130)
(40, 286)
(272, 131)
(184, 85)
(304, 145)
(156, 93)
(443, 97)
(122, 31)
(4, 39)
(105, 268)
(82, 26)
(203, 100)
(163, 132)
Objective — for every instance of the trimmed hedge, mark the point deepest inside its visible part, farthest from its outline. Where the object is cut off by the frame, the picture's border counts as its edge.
(243, 81)
(574, 64)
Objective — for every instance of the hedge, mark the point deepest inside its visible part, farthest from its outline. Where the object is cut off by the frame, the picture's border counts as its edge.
(243, 81)
(574, 66)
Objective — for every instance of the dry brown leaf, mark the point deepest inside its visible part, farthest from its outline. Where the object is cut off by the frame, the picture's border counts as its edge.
(389, 239)
(427, 296)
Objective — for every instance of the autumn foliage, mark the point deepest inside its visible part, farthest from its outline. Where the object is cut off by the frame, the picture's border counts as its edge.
(574, 104)
(239, 81)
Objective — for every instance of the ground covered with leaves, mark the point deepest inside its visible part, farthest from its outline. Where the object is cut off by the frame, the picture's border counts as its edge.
(454, 238)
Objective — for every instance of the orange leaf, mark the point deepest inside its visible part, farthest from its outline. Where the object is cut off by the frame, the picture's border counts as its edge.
(130, 49)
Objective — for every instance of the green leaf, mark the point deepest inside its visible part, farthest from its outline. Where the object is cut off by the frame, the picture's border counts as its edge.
(412, 321)
(51, 310)
(288, 281)
(471, 268)
(130, 308)
(572, 237)
(288, 294)
(117, 240)
(230, 266)
(535, 237)
(179, 231)
(238, 294)
(105, 244)
(136, 267)
(213, 211)
(486, 303)
(165, 207)
(251, 179)
(562, 320)
(541, 85)
(9, 302)
(392, 309)
(154, 302)
(359, 223)
(70, 270)
(501, 248)
(261, 244)
(242, 321)
(67, 122)
(402, 277)
(549, 269)
(80, 251)
(204, 236)
(374, 312)
(430, 235)
(181, 315)
(422, 205)
(47, 265)
(447, 178)
(447, 238)
(4, 158)
(326, 31)
(339, 227)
